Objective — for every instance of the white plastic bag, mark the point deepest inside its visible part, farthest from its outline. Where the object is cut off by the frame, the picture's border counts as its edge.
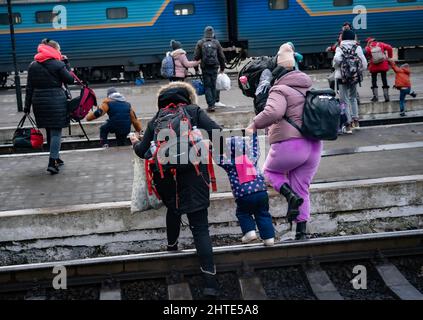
(141, 200)
(223, 82)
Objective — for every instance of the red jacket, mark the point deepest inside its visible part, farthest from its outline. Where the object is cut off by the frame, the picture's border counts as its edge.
(402, 76)
(381, 67)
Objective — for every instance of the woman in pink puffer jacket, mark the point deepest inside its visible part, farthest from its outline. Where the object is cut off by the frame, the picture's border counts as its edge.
(181, 61)
(292, 160)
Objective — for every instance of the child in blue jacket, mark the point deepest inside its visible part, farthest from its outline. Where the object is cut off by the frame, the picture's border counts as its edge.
(249, 189)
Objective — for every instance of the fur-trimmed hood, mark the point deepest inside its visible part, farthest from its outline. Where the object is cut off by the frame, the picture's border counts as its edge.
(186, 90)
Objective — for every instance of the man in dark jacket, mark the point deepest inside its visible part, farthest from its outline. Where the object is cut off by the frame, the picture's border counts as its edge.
(210, 52)
(44, 91)
(189, 194)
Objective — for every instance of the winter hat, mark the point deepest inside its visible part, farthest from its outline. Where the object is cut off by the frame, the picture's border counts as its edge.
(291, 45)
(175, 44)
(209, 32)
(111, 90)
(348, 35)
(174, 95)
(286, 56)
(370, 39)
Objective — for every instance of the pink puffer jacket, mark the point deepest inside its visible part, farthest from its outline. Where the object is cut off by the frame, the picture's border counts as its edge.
(284, 100)
(182, 63)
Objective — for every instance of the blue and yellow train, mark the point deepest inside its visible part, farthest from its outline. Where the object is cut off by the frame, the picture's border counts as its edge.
(104, 38)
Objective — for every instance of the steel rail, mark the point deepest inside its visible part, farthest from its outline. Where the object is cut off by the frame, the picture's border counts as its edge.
(228, 258)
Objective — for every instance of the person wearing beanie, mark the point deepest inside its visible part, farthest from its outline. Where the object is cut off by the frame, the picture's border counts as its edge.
(373, 50)
(182, 64)
(286, 57)
(348, 91)
(402, 83)
(290, 174)
(297, 56)
(121, 116)
(46, 76)
(210, 52)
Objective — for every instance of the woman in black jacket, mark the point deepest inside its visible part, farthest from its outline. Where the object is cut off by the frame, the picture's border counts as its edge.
(189, 194)
(44, 91)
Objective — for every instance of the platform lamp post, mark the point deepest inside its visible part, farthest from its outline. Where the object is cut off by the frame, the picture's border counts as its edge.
(12, 40)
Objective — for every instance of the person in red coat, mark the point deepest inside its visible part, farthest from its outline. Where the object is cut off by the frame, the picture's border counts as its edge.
(378, 53)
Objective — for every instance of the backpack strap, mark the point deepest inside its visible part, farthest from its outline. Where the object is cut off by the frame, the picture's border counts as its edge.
(289, 120)
(212, 173)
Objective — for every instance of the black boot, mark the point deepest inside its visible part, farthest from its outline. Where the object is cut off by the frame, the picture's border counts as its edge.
(375, 95)
(413, 94)
(60, 162)
(301, 233)
(53, 166)
(386, 94)
(172, 247)
(294, 202)
(211, 287)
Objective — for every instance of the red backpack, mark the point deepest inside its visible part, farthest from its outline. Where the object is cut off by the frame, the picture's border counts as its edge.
(80, 106)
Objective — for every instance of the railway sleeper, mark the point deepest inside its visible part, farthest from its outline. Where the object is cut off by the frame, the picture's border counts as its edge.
(397, 283)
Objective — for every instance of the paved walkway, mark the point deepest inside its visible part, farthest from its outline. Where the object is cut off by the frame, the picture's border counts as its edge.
(106, 175)
(144, 98)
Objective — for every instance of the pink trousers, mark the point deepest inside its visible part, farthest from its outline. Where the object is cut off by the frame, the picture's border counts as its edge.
(295, 162)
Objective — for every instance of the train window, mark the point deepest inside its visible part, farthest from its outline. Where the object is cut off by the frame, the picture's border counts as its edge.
(278, 4)
(183, 9)
(4, 18)
(117, 13)
(342, 3)
(45, 16)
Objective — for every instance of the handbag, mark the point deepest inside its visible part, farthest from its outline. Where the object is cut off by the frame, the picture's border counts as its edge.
(141, 199)
(27, 138)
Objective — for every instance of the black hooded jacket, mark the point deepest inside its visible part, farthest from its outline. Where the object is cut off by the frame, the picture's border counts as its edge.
(190, 192)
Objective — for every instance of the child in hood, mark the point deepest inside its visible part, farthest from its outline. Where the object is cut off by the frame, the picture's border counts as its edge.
(402, 83)
(249, 189)
(121, 116)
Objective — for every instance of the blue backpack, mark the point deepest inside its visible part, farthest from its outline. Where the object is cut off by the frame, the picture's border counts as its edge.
(168, 66)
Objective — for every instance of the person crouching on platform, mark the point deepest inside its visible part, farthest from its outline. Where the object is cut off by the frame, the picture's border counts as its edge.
(121, 115)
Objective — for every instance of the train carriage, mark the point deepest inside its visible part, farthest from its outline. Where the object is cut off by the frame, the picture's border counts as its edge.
(105, 38)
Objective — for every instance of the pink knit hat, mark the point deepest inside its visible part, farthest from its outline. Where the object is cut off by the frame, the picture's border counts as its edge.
(286, 56)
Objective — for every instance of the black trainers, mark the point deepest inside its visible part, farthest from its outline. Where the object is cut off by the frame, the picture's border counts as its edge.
(211, 109)
(53, 166)
(402, 114)
(211, 287)
(60, 162)
(413, 94)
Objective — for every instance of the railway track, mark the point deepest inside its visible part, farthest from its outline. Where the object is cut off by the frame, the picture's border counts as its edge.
(371, 266)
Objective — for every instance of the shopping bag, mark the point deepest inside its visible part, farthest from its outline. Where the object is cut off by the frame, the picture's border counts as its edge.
(27, 138)
(141, 199)
(223, 82)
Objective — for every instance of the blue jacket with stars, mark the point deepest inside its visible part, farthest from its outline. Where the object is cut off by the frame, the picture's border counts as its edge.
(237, 146)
